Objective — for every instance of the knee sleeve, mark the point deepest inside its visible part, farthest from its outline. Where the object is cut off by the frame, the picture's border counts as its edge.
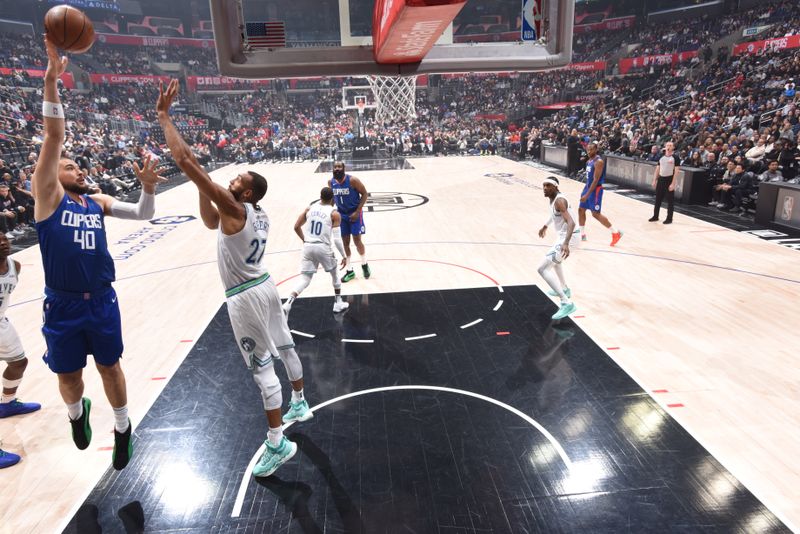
(337, 283)
(290, 359)
(270, 386)
(305, 279)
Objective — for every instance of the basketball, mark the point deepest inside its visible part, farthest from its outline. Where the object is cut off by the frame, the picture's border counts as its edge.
(69, 29)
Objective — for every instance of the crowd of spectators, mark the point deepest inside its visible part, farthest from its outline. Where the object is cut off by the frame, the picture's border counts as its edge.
(736, 112)
(749, 122)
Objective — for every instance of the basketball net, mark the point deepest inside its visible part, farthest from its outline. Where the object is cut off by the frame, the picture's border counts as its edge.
(361, 105)
(395, 97)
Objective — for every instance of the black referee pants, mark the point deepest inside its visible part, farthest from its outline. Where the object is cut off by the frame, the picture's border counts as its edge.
(662, 190)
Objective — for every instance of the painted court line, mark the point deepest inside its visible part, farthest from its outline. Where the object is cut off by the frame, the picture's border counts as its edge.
(497, 306)
(414, 338)
(473, 323)
(247, 475)
(299, 333)
(345, 340)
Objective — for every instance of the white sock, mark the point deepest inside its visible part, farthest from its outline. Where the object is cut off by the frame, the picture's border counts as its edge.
(75, 410)
(552, 280)
(613, 230)
(121, 422)
(583, 231)
(297, 396)
(338, 298)
(275, 435)
(347, 263)
(5, 399)
(363, 259)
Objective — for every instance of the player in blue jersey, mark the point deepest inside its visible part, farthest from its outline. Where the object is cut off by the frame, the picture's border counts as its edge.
(81, 313)
(350, 195)
(592, 195)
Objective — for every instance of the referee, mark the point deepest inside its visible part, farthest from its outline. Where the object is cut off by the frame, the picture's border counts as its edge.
(664, 181)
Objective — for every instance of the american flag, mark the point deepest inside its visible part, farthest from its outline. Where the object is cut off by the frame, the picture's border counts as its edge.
(265, 34)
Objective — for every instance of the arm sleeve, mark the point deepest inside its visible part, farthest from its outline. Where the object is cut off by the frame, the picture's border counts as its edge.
(549, 220)
(142, 210)
(337, 240)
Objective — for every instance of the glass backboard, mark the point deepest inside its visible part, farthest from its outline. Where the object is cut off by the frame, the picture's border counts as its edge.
(304, 38)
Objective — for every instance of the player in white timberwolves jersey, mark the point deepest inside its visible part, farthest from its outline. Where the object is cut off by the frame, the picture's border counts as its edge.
(563, 219)
(11, 351)
(317, 227)
(254, 305)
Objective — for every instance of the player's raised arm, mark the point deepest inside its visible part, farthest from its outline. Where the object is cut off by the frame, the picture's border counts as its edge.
(47, 190)
(187, 162)
(145, 209)
(208, 213)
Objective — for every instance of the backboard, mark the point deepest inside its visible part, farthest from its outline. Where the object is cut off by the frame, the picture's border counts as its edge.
(308, 38)
(352, 95)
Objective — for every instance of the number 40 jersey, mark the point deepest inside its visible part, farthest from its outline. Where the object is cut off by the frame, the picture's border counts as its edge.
(74, 249)
(239, 255)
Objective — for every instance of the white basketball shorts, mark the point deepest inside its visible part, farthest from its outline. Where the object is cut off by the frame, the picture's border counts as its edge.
(259, 323)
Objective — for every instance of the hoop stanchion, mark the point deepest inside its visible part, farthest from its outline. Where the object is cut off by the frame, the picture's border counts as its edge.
(395, 97)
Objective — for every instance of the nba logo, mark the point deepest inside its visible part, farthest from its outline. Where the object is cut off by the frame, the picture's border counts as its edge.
(531, 19)
(788, 207)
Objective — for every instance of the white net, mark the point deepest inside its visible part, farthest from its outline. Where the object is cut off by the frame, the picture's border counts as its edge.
(395, 97)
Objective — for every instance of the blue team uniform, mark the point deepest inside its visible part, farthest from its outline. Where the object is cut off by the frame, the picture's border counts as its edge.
(347, 200)
(595, 200)
(81, 313)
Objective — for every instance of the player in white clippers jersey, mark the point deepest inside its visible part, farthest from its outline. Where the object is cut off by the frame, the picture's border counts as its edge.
(11, 350)
(563, 219)
(317, 226)
(254, 305)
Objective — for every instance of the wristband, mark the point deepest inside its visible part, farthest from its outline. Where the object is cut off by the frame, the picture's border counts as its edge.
(52, 110)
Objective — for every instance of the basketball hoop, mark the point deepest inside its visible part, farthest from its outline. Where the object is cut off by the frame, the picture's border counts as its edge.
(395, 97)
(361, 105)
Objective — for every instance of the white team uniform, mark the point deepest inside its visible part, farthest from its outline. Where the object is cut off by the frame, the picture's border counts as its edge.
(317, 231)
(254, 305)
(561, 227)
(10, 346)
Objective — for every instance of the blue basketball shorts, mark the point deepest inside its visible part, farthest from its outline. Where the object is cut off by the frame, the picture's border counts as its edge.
(353, 228)
(79, 324)
(595, 200)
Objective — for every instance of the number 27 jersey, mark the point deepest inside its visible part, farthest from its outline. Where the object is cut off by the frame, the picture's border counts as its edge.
(240, 255)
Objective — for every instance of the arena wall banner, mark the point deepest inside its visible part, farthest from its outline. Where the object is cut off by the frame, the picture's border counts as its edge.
(788, 41)
(114, 79)
(628, 63)
(134, 40)
(66, 78)
(587, 66)
(200, 83)
(617, 23)
(108, 5)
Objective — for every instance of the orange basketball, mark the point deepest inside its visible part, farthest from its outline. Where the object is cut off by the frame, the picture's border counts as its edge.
(69, 29)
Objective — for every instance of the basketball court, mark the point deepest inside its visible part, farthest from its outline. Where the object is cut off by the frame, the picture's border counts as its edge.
(445, 398)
